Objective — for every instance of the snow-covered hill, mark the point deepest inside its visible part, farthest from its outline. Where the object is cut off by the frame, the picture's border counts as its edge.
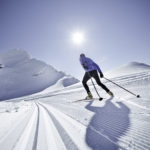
(54, 120)
(127, 69)
(22, 75)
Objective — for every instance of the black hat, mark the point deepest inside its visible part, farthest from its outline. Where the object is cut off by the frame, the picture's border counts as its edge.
(82, 55)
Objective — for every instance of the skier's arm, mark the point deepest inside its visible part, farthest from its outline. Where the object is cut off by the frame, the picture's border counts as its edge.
(99, 70)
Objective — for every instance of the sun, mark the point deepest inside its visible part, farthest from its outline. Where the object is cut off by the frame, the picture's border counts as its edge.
(78, 38)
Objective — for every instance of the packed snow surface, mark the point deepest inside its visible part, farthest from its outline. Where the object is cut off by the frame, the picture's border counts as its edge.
(22, 75)
(56, 120)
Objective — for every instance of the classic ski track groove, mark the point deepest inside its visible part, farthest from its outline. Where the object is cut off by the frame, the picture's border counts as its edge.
(18, 129)
(29, 130)
(48, 133)
(68, 142)
(36, 130)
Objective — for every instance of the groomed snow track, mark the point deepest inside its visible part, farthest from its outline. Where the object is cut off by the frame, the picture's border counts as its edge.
(53, 122)
(45, 127)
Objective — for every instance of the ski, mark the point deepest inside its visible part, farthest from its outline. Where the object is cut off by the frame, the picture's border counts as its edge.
(87, 100)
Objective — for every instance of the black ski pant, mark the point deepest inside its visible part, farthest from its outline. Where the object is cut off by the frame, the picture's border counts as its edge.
(93, 74)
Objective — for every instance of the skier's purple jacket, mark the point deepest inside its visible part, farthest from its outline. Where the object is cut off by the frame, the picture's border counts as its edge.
(89, 65)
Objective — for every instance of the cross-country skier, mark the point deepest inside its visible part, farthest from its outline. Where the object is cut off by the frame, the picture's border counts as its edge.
(91, 69)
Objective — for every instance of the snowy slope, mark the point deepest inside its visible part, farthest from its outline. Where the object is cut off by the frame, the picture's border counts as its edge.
(22, 75)
(61, 84)
(54, 120)
(130, 68)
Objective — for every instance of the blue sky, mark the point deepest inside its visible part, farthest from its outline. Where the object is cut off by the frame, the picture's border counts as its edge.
(116, 31)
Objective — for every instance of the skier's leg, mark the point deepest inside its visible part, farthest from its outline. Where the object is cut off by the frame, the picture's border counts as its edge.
(84, 82)
(96, 77)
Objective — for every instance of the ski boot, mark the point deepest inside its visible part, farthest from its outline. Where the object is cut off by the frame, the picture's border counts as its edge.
(111, 93)
(89, 96)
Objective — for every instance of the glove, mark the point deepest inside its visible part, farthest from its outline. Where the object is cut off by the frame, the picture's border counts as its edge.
(101, 75)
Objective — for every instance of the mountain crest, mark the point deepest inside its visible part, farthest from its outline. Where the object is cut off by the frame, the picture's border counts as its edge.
(23, 75)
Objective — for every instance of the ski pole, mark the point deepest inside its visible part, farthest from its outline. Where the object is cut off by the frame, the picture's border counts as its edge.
(100, 98)
(122, 88)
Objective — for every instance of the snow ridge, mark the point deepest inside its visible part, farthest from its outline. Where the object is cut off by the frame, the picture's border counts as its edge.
(23, 75)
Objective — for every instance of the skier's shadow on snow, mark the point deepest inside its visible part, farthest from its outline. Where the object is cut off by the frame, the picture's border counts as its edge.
(107, 125)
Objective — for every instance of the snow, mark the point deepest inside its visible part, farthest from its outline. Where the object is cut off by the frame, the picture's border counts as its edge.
(54, 120)
(22, 75)
(130, 68)
(61, 84)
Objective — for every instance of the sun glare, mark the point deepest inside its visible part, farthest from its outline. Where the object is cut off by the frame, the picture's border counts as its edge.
(78, 37)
